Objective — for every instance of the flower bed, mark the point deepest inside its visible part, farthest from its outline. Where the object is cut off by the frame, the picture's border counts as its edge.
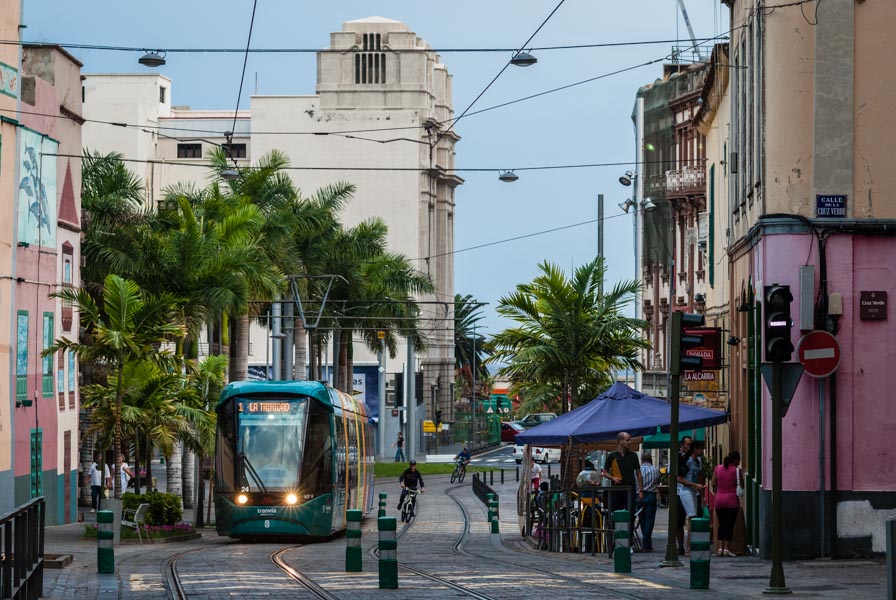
(153, 532)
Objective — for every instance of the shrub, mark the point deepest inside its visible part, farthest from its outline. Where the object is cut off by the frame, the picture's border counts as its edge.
(164, 508)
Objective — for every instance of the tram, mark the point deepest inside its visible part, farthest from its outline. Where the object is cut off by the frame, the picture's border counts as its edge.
(290, 458)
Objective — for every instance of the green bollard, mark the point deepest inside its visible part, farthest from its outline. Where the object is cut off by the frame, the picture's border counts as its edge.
(493, 511)
(700, 554)
(382, 509)
(622, 554)
(105, 553)
(388, 547)
(353, 541)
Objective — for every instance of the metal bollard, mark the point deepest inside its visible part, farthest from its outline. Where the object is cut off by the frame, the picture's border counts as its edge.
(388, 548)
(549, 471)
(353, 540)
(517, 474)
(493, 512)
(700, 554)
(105, 553)
(382, 509)
(891, 559)
(622, 541)
(491, 478)
(502, 476)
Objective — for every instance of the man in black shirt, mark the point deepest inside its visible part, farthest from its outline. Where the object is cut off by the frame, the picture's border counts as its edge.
(623, 468)
(410, 479)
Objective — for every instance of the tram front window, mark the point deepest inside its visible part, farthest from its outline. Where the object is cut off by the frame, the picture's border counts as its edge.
(271, 434)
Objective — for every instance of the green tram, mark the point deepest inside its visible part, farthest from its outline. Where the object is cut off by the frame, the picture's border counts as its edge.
(291, 457)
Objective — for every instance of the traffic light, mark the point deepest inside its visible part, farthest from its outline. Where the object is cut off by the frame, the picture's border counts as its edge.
(778, 347)
(681, 342)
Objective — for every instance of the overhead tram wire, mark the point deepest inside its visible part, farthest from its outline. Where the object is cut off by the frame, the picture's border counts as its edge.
(239, 94)
(101, 47)
(495, 78)
(373, 129)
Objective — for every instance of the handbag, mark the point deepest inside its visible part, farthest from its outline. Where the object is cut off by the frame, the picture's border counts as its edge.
(739, 489)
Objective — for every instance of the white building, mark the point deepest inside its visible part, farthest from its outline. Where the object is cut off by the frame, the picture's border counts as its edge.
(378, 76)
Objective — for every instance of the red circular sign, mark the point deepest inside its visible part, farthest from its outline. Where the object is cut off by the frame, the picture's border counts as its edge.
(819, 353)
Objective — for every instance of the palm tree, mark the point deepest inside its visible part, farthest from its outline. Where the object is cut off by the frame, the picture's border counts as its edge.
(204, 385)
(129, 329)
(571, 333)
(470, 348)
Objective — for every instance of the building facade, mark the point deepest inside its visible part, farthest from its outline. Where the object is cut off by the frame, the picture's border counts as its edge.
(41, 191)
(800, 180)
(377, 80)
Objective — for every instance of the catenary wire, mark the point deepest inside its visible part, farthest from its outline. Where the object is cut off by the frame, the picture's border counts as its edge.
(495, 78)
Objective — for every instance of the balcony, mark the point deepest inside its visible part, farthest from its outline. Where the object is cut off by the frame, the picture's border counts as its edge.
(687, 180)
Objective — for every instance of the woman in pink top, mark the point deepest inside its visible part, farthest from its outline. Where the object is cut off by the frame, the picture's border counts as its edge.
(724, 481)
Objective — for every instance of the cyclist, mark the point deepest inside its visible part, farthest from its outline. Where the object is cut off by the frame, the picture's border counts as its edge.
(410, 479)
(464, 457)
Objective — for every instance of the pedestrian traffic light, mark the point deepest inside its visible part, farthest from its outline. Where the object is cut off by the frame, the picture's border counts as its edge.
(778, 347)
(681, 342)
(438, 419)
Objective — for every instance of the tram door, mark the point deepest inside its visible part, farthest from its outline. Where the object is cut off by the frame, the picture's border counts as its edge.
(341, 467)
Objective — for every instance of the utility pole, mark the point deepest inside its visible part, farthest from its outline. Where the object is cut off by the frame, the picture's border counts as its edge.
(410, 395)
(381, 404)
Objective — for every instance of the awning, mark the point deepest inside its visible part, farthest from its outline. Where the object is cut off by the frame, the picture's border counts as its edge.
(661, 440)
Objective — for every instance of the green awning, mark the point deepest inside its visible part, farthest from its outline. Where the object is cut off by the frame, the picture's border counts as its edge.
(661, 440)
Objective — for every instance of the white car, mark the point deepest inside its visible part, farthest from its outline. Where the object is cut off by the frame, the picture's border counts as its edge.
(542, 455)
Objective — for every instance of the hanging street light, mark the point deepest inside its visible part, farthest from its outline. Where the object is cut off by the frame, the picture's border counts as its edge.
(508, 176)
(152, 59)
(230, 174)
(523, 59)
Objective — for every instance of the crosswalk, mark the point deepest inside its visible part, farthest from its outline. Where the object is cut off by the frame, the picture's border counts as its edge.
(504, 460)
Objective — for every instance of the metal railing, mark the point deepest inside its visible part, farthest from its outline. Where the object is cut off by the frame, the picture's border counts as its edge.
(578, 519)
(22, 551)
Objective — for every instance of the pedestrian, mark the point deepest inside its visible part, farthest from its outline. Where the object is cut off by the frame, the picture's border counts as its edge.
(695, 472)
(399, 444)
(622, 468)
(537, 470)
(98, 478)
(126, 473)
(687, 491)
(726, 480)
(650, 476)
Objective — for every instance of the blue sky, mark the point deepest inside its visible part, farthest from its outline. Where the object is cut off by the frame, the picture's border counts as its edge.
(590, 123)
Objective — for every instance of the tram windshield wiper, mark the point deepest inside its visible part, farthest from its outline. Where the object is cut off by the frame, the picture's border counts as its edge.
(248, 468)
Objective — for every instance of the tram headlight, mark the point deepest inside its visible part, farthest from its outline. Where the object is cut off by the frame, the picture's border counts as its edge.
(291, 498)
(242, 499)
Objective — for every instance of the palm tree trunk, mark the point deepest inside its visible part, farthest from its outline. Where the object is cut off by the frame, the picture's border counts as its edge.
(116, 436)
(188, 464)
(239, 362)
(300, 337)
(175, 467)
(224, 347)
(88, 443)
(313, 355)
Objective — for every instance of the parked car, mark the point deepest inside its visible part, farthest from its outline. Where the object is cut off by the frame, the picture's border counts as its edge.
(509, 429)
(536, 419)
(542, 455)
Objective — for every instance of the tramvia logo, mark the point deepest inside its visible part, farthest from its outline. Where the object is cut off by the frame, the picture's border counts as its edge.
(267, 511)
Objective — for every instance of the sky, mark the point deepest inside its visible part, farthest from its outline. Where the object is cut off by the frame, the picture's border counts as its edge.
(588, 123)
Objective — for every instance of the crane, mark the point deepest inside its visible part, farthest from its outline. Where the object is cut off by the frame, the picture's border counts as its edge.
(687, 22)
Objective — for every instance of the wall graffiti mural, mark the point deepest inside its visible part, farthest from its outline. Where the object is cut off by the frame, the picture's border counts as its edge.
(37, 189)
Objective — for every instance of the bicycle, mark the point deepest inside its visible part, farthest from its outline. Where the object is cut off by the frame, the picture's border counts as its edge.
(460, 471)
(408, 507)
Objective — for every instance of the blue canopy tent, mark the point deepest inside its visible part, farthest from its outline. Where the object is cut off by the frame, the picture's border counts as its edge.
(620, 408)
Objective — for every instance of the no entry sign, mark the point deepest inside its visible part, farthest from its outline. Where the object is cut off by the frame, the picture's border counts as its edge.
(819, 353)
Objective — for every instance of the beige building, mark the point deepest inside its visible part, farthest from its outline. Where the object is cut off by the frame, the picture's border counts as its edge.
(379, 81)
(800, 185)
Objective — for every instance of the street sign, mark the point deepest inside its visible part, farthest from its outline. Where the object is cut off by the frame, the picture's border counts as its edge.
(819, 352)
(790, 378)
(429, 426)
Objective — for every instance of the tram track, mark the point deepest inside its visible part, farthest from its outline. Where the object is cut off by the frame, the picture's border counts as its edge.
(459, 547)
(178, 591)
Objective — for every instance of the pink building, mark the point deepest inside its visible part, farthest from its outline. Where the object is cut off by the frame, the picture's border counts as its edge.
(43, 221)
(800, 182)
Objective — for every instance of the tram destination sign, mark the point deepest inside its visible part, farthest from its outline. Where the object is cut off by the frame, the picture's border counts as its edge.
(830, 205)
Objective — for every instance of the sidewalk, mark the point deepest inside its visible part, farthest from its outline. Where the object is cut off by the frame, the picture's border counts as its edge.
(742, 576)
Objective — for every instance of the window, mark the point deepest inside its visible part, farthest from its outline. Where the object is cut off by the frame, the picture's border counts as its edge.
(234, 150)
(370, 67)
(189, 150)
(162, 91)
(60, 380)
(47, 370)
(22, 356)
(72, 373)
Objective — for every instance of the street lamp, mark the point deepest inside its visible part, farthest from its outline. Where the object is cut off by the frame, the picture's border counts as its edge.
(152, 59)
(523, 59)
(627, 178)
(508, 176)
